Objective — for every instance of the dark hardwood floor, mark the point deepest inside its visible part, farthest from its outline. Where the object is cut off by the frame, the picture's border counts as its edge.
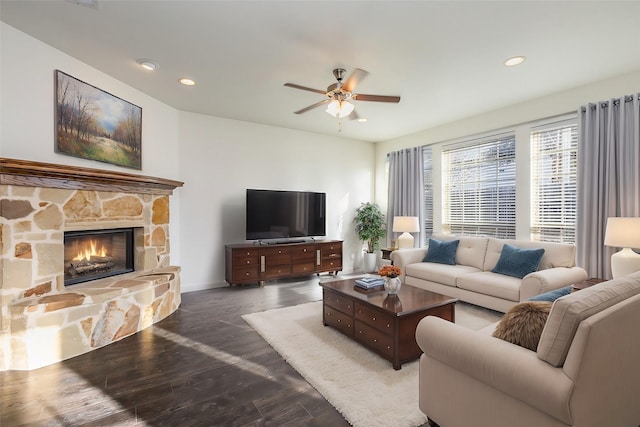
(202, 366)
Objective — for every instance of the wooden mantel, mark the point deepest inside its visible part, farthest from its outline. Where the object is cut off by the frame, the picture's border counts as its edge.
(37, 174)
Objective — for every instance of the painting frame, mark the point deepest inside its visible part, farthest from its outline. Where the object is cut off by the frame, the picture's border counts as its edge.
(93, 124)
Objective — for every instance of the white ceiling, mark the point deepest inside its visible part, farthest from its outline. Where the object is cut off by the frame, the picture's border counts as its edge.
(444, 58)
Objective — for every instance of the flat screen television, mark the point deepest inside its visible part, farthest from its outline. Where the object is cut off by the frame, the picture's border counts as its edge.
(277, 214)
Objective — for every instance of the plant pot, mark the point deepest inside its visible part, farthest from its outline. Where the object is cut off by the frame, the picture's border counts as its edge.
(369, 261)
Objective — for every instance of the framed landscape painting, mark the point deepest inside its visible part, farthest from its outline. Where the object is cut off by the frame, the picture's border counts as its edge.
(93, 124)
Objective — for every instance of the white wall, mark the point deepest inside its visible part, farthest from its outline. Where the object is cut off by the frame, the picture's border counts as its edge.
(509, 118)
(27, 104)
(216, 158)
(221, 158)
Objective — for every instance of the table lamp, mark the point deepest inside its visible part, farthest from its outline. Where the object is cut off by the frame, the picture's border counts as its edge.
(405, 225)
(623, 233)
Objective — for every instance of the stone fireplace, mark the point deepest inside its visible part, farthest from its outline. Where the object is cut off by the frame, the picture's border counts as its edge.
(42, 205)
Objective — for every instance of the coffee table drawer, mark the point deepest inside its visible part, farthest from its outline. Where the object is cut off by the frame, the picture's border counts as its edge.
(337, 301)
(373, 338)
(373, 317)
(338, 320)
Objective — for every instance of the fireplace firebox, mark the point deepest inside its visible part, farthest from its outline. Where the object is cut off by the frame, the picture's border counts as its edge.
(94, 254)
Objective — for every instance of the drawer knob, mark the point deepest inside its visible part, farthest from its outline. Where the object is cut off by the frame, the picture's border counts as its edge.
(388, 326)
(388, 347)
(348, 306)
(375, 340)
(339, 320)
(373, 318)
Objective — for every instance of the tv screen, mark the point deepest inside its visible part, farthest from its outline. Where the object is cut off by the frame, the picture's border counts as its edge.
(275, 214)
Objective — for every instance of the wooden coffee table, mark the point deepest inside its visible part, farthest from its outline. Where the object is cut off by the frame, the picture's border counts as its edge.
(383, 323)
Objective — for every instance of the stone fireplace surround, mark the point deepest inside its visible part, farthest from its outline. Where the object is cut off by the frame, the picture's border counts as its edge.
(41, 321)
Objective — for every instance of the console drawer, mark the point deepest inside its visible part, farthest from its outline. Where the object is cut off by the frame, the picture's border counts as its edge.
(303, 253)
(307, 267)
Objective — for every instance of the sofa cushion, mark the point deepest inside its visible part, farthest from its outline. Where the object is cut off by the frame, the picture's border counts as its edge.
(495, 285)
(439, 273)
(555, 254)
(471, 250)
(568, 311)
(523, 324)
(518, 262)
(553, 295)
(442, 252)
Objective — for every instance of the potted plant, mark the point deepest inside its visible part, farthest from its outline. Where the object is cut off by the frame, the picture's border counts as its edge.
(370, 228)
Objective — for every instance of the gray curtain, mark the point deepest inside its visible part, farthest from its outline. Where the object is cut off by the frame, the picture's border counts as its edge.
(608, 176)
(406, 189)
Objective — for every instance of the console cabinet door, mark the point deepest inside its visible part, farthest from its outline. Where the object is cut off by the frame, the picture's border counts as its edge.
(330, 256)
(277, 261)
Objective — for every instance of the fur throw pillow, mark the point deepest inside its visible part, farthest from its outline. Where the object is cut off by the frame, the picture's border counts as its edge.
(523, 324)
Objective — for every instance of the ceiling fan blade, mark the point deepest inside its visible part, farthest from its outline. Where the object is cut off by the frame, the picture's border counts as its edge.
(310, 107)
(295, 86)
(376, 98)
(356, 75)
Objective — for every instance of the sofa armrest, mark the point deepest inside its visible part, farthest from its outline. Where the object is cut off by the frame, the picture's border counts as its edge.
(512, 369)
(404, 257)
(546, 280)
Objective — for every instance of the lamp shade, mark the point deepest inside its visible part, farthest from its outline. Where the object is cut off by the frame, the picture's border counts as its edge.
(408, 224)
(623, 232)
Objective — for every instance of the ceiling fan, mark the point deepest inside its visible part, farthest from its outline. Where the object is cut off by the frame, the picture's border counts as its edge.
(338, 95)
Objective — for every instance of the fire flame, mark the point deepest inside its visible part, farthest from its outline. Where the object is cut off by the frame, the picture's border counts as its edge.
(90, 250)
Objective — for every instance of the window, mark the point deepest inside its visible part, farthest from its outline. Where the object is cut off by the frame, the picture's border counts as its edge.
(428, 193)
(553, 182)
(479, 187)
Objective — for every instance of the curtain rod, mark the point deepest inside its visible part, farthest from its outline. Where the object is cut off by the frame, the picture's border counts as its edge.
(605, 104)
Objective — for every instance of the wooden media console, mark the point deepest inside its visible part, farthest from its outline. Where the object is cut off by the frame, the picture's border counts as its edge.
(249, 263)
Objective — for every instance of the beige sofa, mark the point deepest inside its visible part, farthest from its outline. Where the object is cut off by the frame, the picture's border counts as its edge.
(585, 371)
(471, 279)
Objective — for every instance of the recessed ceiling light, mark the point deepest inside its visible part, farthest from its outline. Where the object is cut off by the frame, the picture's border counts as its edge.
(516, 60)
(362, 120)
(148, 64)
(187, 82)
(89, 3)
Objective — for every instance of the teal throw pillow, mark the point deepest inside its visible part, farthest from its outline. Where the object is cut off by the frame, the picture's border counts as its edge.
(518, 262)
(442, 252)
(553, 295)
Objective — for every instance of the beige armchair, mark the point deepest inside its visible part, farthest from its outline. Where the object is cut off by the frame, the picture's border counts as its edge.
(586, 371)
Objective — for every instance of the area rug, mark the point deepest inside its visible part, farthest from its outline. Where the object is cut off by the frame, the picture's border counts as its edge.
(362, 386)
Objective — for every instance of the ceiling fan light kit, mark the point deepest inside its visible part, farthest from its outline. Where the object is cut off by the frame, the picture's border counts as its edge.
(339, 94)
(340, 109)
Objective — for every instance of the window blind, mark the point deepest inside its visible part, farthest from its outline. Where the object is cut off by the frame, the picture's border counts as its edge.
(428, 193)
(553, 182)
(479, 187)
